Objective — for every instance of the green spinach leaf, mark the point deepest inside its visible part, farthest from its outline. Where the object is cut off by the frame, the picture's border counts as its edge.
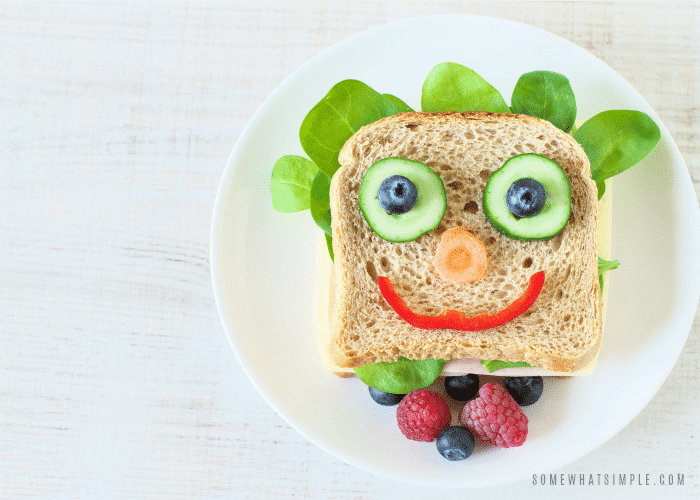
(320, 203)
(603, 266)
(494, 364)
(545, 95)
(290, 185)
(400, 105)
(329, 244)
(348, 106)
(601, 188)
(615, 140)
(453, 87)
(401, 376)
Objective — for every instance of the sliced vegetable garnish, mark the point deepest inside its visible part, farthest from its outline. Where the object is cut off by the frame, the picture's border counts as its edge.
(460, 257)
(456, 320)
(548, 221)
(425, 215)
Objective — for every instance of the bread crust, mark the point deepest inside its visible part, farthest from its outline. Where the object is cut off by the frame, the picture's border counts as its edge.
(560, 332)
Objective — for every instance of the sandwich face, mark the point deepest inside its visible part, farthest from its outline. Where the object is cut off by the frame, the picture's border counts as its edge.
(560, 330)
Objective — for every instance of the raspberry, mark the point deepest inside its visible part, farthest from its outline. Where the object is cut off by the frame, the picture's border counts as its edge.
(422, 415)
(495, 417)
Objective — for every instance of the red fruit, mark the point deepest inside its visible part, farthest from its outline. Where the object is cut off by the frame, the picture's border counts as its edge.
(495, 417)
(422, 414)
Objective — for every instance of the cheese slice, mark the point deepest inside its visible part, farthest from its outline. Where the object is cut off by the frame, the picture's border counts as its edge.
(325, 293)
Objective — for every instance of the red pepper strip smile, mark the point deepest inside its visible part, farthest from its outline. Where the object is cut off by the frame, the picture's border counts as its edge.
(455, 320)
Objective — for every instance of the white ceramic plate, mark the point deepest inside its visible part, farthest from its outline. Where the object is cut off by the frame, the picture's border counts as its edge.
(263, 262)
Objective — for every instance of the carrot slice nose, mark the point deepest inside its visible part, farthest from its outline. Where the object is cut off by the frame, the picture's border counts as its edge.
(460, 257)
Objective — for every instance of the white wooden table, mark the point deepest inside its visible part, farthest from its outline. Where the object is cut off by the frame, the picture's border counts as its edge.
(116, 121)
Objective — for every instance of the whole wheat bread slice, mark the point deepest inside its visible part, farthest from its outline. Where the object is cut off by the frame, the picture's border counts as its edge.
(561, 331)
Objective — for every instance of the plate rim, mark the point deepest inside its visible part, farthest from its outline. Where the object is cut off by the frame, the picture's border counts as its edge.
(230, 169)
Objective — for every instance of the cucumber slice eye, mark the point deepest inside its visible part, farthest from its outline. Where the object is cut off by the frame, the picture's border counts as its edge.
(422, 216)
(538, 223)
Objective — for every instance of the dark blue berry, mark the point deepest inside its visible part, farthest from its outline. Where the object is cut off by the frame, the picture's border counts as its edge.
(455, 443)
(385, 398)
(397, 195)
(463, 387)
(525, 197)
(525, 390)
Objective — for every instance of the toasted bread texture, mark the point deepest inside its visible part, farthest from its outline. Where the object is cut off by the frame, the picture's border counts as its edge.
(561, 331)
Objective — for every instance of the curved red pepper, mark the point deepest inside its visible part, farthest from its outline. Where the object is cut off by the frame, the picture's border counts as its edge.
(455, 320)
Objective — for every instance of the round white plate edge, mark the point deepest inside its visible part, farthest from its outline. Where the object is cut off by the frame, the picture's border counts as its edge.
(229, 328)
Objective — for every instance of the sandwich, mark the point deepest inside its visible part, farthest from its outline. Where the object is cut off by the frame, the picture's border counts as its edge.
(463, 238)
(559, 332)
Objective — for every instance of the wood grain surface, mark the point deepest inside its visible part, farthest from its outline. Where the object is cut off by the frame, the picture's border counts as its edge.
(116, 122)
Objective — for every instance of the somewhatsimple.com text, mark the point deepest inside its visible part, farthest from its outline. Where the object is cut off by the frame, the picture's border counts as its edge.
(568, 479)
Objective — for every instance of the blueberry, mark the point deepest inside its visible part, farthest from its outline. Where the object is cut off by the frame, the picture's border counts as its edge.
(525, 197)
(397, 195)
(455, 443)
(385, 398)
(525, 390)
(462, 388)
